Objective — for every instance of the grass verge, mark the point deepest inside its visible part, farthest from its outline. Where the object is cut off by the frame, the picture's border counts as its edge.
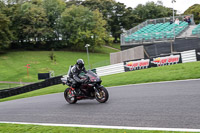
(18, 128)
(164, 73)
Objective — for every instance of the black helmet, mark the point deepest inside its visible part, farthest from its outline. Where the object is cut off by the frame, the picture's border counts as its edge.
(80, 63)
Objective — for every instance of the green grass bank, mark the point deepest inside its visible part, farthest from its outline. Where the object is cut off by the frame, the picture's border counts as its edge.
(12, 63)
(16, 128)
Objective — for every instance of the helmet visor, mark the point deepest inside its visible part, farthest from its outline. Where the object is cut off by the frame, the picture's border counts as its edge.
(80, 66)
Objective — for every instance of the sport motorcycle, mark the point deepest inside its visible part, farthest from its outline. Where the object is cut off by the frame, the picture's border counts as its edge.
(90, 89)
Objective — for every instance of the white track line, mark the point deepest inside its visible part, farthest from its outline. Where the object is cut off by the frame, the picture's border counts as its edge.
(109, 127)
(161, 82)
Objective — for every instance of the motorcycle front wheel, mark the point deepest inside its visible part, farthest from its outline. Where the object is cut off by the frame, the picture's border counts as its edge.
(102, 96)
(69, 96)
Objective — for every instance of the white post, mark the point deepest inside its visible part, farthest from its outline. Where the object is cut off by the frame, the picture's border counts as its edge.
(173, 1)
(87, 45)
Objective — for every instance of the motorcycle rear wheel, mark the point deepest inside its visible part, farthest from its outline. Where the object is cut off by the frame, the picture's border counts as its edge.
(69, 97)
(103, 95)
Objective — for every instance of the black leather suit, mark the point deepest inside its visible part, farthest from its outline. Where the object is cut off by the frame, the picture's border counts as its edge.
(74, 75)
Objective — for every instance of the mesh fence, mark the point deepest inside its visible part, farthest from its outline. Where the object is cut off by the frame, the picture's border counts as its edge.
(179, 45)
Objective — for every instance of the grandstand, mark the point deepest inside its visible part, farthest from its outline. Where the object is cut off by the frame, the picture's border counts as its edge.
(159, 36)
(156, 30)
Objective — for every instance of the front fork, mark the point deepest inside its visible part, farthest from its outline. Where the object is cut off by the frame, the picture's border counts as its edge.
(96, 88)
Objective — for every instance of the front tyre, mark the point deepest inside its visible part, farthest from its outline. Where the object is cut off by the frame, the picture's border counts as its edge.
(102, 96)
(69, 96)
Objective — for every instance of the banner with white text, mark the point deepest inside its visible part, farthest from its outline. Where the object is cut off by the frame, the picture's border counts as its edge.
(157, 61)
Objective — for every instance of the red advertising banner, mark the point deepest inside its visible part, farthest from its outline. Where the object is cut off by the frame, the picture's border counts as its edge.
(167, 60)
(135, 65)
(152, 62)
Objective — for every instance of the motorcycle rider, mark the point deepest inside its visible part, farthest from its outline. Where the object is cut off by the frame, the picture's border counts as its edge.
(74, 75)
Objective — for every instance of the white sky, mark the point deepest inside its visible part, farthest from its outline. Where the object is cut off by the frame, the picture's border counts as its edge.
(180, 5)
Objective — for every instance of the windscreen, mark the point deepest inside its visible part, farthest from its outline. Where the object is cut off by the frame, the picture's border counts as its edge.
(91, 74)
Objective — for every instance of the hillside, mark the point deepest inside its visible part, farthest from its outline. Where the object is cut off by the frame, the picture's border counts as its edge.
(12, 63)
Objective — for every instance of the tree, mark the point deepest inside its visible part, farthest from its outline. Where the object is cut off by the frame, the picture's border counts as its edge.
(99, 33)
(12, 2)
(117, 19)
(53, 9)
(112, 12)
(129, 19)
(5, 33)
(81, 26)
(151, 10)
(31, 23)
(195, 10)
(69, 3)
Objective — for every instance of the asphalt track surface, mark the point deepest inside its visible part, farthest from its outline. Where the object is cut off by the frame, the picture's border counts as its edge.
(161, 105)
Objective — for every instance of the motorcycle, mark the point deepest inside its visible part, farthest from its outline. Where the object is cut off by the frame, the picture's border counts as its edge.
(90, 89)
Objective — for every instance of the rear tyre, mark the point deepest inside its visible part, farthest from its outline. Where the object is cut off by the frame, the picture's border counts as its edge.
(69, 96)
(102, 96)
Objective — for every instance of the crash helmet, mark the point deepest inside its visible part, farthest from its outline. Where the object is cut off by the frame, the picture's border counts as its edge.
(80, 64)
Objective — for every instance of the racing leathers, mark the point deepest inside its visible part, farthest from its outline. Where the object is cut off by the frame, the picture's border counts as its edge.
(75, 79)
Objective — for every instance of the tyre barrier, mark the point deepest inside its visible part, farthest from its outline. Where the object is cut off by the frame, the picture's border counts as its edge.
(31, 87)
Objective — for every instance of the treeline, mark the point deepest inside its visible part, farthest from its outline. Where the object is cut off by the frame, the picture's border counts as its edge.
(47, 24)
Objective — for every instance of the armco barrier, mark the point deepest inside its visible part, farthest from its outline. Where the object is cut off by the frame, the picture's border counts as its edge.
(27, 88)
(189, 56)
(110, 69)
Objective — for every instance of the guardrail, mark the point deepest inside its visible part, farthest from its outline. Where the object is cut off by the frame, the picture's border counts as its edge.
(31, 87)
(110, 69)
(189, 56)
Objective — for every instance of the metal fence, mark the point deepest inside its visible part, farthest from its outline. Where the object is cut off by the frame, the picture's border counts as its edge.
(188, 56)
(110, 69)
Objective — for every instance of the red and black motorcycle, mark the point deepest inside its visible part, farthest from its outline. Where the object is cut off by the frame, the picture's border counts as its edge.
(90, 89)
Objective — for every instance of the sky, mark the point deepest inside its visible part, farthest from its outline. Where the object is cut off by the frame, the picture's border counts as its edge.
(180, 5)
